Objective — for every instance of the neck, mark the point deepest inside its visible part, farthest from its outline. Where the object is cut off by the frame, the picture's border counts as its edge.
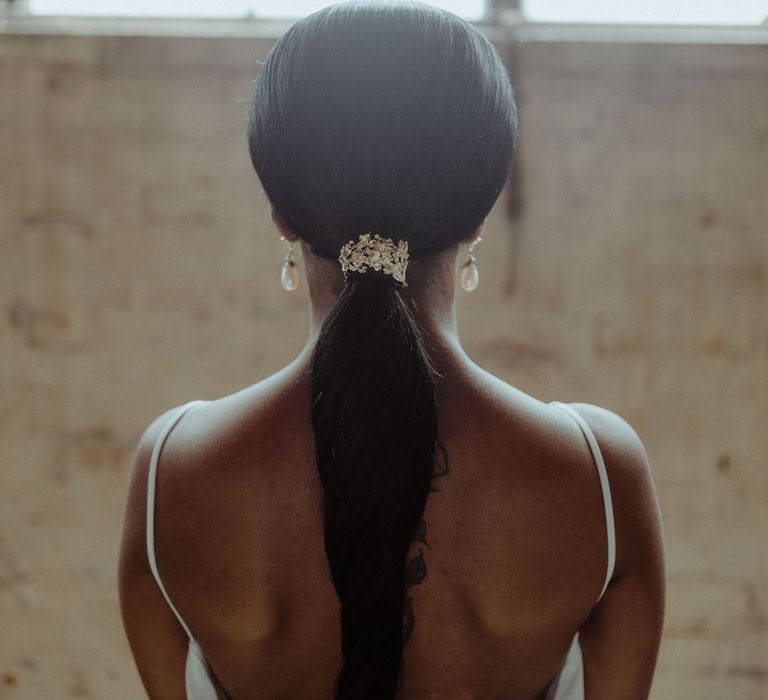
(431, 287)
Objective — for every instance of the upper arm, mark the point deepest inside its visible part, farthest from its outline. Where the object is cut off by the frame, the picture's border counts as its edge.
(157, 640)
(620, 639)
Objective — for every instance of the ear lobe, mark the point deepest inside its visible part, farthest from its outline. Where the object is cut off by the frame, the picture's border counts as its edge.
(478, 231)
(284, 230)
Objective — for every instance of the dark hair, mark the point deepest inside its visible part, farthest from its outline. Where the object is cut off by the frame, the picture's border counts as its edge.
(396, 118)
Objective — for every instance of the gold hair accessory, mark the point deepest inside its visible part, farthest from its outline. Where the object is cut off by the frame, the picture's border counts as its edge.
(377, 252)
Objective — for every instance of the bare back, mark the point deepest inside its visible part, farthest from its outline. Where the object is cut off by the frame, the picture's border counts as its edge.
(515, 556)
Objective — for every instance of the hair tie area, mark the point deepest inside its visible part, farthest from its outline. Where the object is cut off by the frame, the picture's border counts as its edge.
(375, 252)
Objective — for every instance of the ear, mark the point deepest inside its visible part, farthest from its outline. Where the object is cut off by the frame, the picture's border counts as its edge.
(478, 231)
(282, 228)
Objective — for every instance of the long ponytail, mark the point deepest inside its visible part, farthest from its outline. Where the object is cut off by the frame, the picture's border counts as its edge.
(375, 423)
(394, 117)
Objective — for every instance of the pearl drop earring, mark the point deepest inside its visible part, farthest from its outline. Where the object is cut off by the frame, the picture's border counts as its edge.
(470, 277)
(289, 276)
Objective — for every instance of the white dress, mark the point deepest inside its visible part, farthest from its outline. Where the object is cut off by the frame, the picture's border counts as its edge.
(201, 683)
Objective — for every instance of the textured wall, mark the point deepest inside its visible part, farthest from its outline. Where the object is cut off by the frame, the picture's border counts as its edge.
(139, 270)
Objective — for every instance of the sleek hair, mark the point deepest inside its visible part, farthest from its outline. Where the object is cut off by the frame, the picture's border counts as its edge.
(397, 118)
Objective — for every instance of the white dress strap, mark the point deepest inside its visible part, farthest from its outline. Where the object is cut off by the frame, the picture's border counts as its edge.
(151, 482)
(605, 486)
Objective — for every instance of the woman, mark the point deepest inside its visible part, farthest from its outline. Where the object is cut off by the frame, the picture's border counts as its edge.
(383, 518)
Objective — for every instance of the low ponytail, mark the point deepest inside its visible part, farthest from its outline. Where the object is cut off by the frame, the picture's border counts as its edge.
(375, 421)
(394, 117)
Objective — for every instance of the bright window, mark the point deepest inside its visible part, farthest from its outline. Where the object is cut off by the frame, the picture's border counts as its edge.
(469, 9)
(157, 8)
(648, 11)
(727, 12)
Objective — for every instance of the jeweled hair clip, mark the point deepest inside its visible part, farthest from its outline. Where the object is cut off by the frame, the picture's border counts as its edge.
(376, 252)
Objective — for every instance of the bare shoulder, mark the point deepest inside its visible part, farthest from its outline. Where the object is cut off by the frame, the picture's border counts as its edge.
(623, 450)
(637, 513)
(621, 637)
(149, 439)
(616, 433)
(156, 638)
(133, 550)
(143, 454)
(203, 463)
